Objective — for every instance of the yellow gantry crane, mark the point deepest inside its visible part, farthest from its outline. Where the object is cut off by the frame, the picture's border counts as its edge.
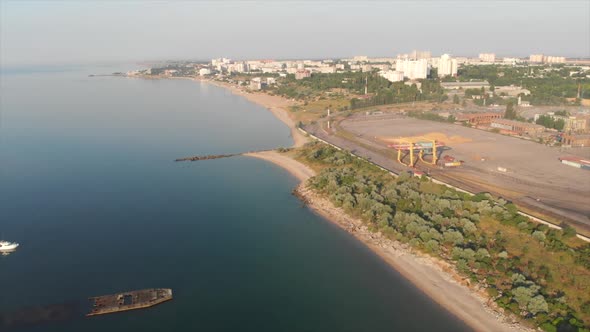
(417, 143)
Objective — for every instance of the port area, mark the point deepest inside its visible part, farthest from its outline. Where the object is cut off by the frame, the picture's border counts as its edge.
(524, 172)
(139, 299)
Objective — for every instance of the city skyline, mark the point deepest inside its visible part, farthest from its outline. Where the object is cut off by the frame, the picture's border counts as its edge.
(90, 31)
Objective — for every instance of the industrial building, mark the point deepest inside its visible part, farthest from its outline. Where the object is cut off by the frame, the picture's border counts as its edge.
(477, 119)
(576, 140)
(465, 85)
(517, 127)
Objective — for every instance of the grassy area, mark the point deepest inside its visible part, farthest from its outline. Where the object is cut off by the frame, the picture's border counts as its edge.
(314, 110)
(540, 274)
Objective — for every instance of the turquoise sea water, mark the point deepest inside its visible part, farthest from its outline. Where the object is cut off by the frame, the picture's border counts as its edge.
(89, 188)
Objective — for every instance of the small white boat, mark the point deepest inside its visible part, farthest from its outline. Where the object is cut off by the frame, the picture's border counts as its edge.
(8, 246)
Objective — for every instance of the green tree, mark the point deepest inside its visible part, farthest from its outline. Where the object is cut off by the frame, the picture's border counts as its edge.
(510, 112)
(559, 124)
(455, 99)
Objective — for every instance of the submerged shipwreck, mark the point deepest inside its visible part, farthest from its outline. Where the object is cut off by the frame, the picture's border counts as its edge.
(139, 299)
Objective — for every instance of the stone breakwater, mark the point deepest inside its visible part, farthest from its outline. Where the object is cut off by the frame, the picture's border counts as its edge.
(217, 156)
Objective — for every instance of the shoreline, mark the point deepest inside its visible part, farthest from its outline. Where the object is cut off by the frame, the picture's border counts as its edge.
(434, 277)
(275, 104)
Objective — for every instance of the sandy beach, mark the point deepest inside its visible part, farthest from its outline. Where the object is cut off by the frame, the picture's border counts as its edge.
(434, 277)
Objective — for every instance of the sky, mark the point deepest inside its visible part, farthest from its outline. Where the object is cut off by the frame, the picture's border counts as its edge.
(85, 31)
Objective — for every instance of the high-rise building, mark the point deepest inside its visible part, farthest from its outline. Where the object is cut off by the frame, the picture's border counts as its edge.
(413, 69)
(419, 55)
(487, 57)
(447, 66)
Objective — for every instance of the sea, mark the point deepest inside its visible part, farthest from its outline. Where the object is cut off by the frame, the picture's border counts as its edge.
(90, 189)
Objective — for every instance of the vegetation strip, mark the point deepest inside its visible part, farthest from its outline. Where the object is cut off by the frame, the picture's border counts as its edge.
(529, 269)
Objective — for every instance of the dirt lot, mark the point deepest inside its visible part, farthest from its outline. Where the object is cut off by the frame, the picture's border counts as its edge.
(533, 177)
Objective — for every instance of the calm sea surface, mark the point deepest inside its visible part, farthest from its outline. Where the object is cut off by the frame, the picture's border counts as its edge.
(89, 188)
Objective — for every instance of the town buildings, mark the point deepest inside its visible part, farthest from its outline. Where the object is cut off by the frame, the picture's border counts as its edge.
(541, 58)
(487, 57)
(537, 58)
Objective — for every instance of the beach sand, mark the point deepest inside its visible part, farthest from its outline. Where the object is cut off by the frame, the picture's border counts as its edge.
(434, 277)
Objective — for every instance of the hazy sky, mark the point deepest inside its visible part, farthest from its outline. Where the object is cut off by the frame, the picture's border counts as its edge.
(55, 32)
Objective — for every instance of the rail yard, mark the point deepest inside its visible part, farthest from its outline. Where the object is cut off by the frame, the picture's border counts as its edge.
(525, 172)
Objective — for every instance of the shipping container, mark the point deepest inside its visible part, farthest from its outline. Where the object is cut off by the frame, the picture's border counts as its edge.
(453, 164)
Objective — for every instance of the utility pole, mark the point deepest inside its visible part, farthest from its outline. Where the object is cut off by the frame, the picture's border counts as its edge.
(366, 84)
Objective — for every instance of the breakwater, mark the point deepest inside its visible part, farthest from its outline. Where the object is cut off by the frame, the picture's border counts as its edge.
(208, 157)
(216, 156)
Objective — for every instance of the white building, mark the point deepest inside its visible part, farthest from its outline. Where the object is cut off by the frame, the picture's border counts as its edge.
(256, 83)
(487, 57)
(327, 70)
(540, 58)
(413, 69)
(510, 61)
(220, 61)
(204, 71)
(366, 68)
(392, 75)
(447, 66)
(555, 59)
